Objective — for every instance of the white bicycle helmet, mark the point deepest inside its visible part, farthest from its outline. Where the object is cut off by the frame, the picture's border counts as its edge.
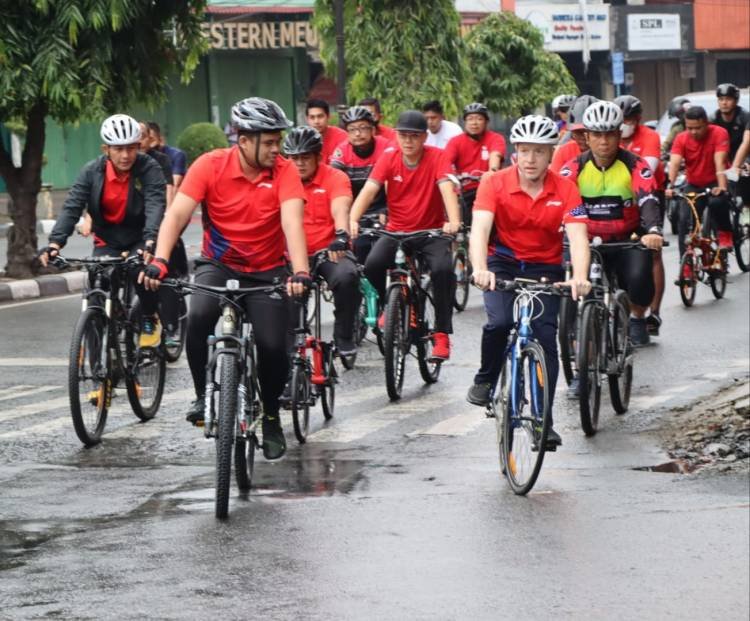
(534, 129)
(120, 129)
(563, 101)
(602, 116)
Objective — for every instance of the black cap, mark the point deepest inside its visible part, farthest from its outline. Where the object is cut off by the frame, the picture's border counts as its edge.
(411, 121)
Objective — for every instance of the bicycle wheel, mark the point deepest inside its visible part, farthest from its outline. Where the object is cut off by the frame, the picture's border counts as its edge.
(526, 418)
(684, 225)
(741, 227)
(300, 402)
(688, 279)
(500, 405)
(146, 371)
(566, 337)
(718, 279)
(328, 390)
(244, 462)
(89, 385)
(428, 369)
(228, 378)
(620, 355)
(395, 341)
(589, 365)
(245, 445)
(463, 279)
(360, 328)
(173, 352)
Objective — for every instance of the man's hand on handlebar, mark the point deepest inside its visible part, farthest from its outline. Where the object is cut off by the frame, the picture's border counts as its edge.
(299, 284)
(652, 241)
(47, 253)
(153, 273)
(451, 228)
(579, 287)
(484, 279)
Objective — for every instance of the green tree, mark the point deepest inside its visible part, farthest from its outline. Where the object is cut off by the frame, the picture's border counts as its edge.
(82, 59)
(512, 72)
(403, 53)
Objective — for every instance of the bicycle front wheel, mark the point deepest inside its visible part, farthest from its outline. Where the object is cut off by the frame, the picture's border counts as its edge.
(228, 378)
(741, 226)
(526, 418)
(688, 279)
(146, 372)
(395, 342)
(589, 366)
(300, 402)
(463, 279)
(328, 390)
(429, 369)
(566, 337)
(620, 355)
(89, 377)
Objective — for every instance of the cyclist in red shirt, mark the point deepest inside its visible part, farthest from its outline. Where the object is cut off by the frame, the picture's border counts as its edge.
(252, 209)
(575, 135)
(419, 194)
(328, 196)
(704, 149)
(646, 143)
(525, 206)
(318, 114)
(357, 157)
(381, 129)
(475, 152)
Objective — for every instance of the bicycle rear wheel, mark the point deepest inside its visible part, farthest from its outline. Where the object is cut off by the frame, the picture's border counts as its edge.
(688, 279)
(428, 369)
(741, 227)
(89, 385)
(395, 341)
(566, 337)
(244, 462)
(300, 402)
(620, 356)
(228, 378)
(718, 278)
(463, 279)
(146, 370)
(526, 419)
(589, 365)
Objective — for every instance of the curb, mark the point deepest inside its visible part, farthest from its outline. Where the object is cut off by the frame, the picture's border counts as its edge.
(43, 227)
(43, 286)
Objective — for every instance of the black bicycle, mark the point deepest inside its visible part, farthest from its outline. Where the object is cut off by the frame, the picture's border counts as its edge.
(105, 348)
(461, 261)
(234, 405)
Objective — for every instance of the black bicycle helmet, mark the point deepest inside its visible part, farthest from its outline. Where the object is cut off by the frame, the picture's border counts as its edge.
(630, 106)
(727, 90)
(476, 108)
(678, 106)
(575, 114)
(301, 140)
(256, 114)
(411, 121)
(357, 113)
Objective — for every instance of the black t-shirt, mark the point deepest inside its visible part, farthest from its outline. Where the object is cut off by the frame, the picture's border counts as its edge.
(166, 166)
(735, 127)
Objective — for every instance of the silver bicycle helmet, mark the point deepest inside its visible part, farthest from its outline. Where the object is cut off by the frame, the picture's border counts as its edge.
(476, 108)
(602, 116)
(119, 130)
(534, 129)
(357, 113)
(256, 114)
(563, 101)
(303, 140)
(629, 105)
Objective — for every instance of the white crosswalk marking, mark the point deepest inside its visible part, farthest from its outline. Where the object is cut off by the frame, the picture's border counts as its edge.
(459, 425)
(33, 362)
(5, 391)
(31, 409)
(25, 391)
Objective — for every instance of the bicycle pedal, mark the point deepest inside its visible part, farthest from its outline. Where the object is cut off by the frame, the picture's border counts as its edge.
(198, 423)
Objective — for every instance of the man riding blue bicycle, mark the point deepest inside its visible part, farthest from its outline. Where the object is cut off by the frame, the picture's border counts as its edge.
(524, 206)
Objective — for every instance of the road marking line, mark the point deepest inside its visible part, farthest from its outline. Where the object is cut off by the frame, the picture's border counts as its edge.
(33, 362)
(361, 394)
(715, 376)
(40, 300)
(459, 425)
(31, 409)
(25, 391)
(5, 391)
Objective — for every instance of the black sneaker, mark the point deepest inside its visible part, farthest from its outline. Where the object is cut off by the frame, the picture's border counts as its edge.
(638, 332)
(479, 394)
(653, 323)
(574, 389)
(274, 442)
(345, 347)
(553, 440)
(195, 413)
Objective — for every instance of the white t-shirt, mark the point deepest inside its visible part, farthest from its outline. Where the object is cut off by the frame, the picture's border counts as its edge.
(448, 129)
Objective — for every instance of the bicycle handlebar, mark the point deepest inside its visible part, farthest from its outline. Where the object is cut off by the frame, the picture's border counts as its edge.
(60, 261)
(403, 235)
(220, 292)
(522, 284)
(597, 243)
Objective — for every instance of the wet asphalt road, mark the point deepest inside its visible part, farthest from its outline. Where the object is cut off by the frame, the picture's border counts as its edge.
(391, 511)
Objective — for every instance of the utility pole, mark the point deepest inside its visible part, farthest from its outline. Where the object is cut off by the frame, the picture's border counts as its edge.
(338, 8)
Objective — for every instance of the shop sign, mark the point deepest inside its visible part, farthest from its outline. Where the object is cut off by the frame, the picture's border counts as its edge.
(654, 31)
(260, 36)
(563, 26)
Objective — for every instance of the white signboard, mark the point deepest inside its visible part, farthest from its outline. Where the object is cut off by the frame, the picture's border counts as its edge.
(563, 27)
(654, 31)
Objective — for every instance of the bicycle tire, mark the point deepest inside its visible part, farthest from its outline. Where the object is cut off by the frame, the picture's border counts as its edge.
(620, 383)
(499, 407)
(429, 370)
(244, 462)
(566, 338)
(395, 342)
(684, 225)
(589, 365)
(328, 390)
(742, 237)
(228, 379)
(524, 441)
(688, 280)
(718, 281)
(173, 352)
(463, 279)
(87, 341)
(300, 402)
(146, 371)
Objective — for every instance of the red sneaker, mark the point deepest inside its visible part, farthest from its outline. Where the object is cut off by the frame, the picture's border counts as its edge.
(441, 346)
(726, 239)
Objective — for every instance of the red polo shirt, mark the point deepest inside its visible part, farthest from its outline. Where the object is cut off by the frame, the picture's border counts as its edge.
(387, 132)
(412, 193)
(472, 156)
(114, 195)
(699, 155)
(645, 142)
(332, 137)
(327, 185)
(529, 229)
(242, 218)
(563, 154)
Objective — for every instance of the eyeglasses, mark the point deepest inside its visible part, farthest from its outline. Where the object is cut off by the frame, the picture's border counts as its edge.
(360, 129)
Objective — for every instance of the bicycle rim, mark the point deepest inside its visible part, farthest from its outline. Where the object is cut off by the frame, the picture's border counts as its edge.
(461, 271)
(688, 280)
(227, 413)
(300, 402)
(394, 343)
(742, 238)
(328, 390)
(147, 370)
(566, 336)
(621, 356)
(89, 386)
(428, 369)
(589, 366)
